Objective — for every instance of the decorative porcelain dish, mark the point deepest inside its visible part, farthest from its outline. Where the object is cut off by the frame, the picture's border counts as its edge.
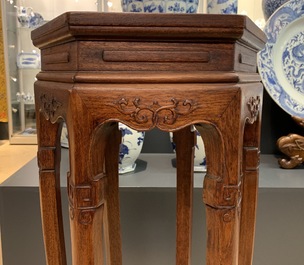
(281, 62)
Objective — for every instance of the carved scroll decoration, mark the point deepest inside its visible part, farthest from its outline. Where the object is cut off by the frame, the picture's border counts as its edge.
(254, 109)
(155, 112)
(49, 106)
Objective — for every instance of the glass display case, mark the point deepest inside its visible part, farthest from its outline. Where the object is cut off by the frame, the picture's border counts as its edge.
(22, 59)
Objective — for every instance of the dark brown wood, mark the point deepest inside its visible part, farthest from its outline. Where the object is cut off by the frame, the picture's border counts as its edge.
(149, 70)
(185, 143)
(250, 184)
(50, 197)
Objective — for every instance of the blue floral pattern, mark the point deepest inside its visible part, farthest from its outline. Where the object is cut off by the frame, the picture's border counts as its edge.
(288, 59)
(293, 62)
(222, 6)
(130, 147)
(160, 6)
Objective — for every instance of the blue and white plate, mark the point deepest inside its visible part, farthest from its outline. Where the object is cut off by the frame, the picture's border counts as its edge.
(281, 62)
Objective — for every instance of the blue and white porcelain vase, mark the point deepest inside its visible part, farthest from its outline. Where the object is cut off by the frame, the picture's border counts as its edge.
(28, 18)
(199, 152)
(160, 6)
(269, 6)
(130, 147)
(222, 6)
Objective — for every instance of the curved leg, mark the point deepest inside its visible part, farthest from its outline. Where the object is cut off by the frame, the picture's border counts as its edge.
(50, 198)
(93, 193)
(221, 191)
(83, 188)
(185, 142)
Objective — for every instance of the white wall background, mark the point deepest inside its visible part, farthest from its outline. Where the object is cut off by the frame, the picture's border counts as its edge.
(52, 8)
(253, 8)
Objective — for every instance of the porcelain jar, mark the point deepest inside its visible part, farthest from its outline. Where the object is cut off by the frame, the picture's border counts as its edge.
(199, 152)
(160, 6)
(23, 15)
(222, 6)
(28, 18)
(130, 147)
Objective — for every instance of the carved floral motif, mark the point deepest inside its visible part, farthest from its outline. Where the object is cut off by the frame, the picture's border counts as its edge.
(155, 112)
(49, 106)
(254, 108)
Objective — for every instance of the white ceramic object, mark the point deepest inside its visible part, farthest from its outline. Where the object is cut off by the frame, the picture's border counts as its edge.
(28, 60)
(199, 153)
(28, 18)
(35, 20)
(160, 6)
(23, 15)
(222, 6)
(130, 147)
(64, 136)
(281, 62)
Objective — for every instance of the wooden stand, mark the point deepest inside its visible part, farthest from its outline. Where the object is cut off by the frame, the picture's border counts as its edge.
(292, 146)
(149, 70)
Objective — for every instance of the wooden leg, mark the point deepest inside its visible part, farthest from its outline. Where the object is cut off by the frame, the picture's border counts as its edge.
(222, 191)
(250, 183)
(222, 231)
(112, 232)
(248, 216)
(86, 185)
(94, 197)
(185, 142)
(50, 198)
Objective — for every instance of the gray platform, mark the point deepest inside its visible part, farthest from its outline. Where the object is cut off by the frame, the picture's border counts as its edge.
(148, 214)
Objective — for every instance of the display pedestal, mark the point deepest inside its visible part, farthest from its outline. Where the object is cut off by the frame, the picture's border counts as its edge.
(148, 211)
